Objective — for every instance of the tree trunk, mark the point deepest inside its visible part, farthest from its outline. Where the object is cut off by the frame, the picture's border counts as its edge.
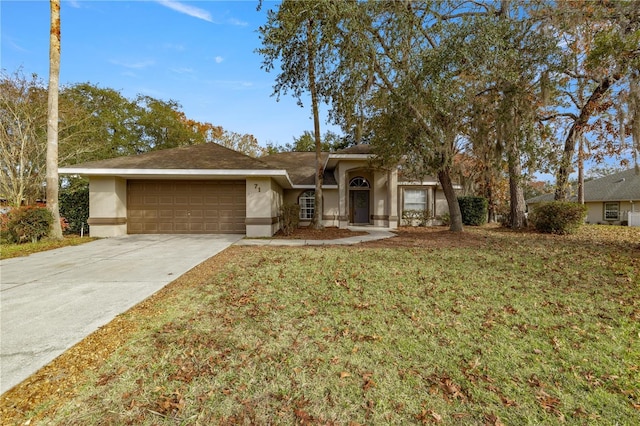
(52, 120)
(581, 172)
(316, 223)
(562, 177)
(516, 194)
(444, 176)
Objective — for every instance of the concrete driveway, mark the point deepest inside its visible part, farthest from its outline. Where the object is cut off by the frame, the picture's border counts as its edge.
(49, 301)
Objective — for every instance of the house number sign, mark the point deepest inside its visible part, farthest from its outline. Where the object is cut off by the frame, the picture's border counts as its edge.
(257, 187)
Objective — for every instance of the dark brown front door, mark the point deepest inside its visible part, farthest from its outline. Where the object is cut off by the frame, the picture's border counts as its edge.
(359, 201)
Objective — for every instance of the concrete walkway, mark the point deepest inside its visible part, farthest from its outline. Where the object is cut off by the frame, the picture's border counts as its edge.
(374, 233)
(49, 301)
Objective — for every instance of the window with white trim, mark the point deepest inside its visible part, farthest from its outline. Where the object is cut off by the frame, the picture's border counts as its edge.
(611, 211)
(415, 199)
(307, 202)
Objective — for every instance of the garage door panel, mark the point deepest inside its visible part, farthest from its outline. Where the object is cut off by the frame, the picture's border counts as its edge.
(186, 207)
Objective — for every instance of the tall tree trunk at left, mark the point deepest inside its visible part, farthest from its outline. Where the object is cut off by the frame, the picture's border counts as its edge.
(316, 223)
(52, 120)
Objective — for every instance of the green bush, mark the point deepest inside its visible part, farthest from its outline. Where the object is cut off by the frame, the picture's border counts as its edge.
(474, 210)
(445, 218)
(29, 224)
(74, 206)
(420, 216)
(290, 218)
(558, 217)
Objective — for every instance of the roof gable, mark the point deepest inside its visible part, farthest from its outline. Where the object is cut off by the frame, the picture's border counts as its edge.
(300, 166)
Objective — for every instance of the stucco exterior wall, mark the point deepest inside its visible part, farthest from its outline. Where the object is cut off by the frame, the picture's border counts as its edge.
(107, 207)
(595, 211)
(263, 202)
(441, 205)
(331, 208)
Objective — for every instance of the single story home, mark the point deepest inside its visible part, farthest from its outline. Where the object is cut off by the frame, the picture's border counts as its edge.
(208, 188)
(609, 199)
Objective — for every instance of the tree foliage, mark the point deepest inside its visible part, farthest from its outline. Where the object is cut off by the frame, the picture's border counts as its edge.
(94, 123)
(23, 111)
(331, 142)
(298, 37)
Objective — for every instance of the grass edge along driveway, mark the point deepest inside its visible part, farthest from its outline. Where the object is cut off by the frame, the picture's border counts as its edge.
(508, 329)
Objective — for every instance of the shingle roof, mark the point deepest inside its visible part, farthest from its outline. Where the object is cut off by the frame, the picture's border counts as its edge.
(363, 148)
(197, 157)
(622, 186)
(300, 166)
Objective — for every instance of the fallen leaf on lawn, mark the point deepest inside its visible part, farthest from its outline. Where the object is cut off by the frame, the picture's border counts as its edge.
(437, 417)
(492, 420)
(344, 374)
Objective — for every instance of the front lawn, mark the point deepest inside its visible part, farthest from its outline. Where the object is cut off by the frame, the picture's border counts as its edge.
(8, 251)
(492, 327)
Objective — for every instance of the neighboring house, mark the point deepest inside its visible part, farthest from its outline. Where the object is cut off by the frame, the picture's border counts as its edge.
(609, 199)
(212, 189)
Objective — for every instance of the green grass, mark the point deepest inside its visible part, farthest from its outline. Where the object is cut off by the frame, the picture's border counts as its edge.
(527, 329)
(8, 251)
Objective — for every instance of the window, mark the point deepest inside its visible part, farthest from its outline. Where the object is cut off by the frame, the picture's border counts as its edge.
(415, 199)
(358, 182)
(611, 211)
(307, 202)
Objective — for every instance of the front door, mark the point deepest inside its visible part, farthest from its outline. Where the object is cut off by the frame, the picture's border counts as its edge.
(359, 206)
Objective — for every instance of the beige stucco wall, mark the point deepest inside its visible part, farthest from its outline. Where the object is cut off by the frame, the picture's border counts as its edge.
(441, 205)
(264, 199)
(107, 206)
(331, 207)
(595, 211)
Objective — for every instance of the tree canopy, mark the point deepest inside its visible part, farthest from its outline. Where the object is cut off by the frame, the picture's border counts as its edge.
(94, 123)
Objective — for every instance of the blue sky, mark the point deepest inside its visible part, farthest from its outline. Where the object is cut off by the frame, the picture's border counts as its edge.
(199, 53)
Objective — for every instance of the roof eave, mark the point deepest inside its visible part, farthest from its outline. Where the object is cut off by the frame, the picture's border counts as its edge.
(281, 176)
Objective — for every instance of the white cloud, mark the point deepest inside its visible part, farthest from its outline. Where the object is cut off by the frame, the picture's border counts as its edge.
(182, 70)
(74, 3)
(218, 59)
(133, 65)
(234, 21)
(196, 12)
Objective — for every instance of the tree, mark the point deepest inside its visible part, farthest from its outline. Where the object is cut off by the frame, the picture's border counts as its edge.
(106, 124)
(245, 143)
(23, 112)
(600, 82)
(331, 142)
(52, 120)
(296, 36)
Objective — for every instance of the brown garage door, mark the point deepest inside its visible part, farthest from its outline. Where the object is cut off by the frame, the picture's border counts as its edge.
(185, 207)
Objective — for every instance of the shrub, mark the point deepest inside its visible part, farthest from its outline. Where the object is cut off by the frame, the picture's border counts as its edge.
(420, 216)
(445, 218)
(74, 206)
(29, 224)
(474, 210)
(290, 218)
(558, 217)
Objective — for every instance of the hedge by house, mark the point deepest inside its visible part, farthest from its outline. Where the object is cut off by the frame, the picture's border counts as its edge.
(74, 206)
(474, 210)
(558, 217)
